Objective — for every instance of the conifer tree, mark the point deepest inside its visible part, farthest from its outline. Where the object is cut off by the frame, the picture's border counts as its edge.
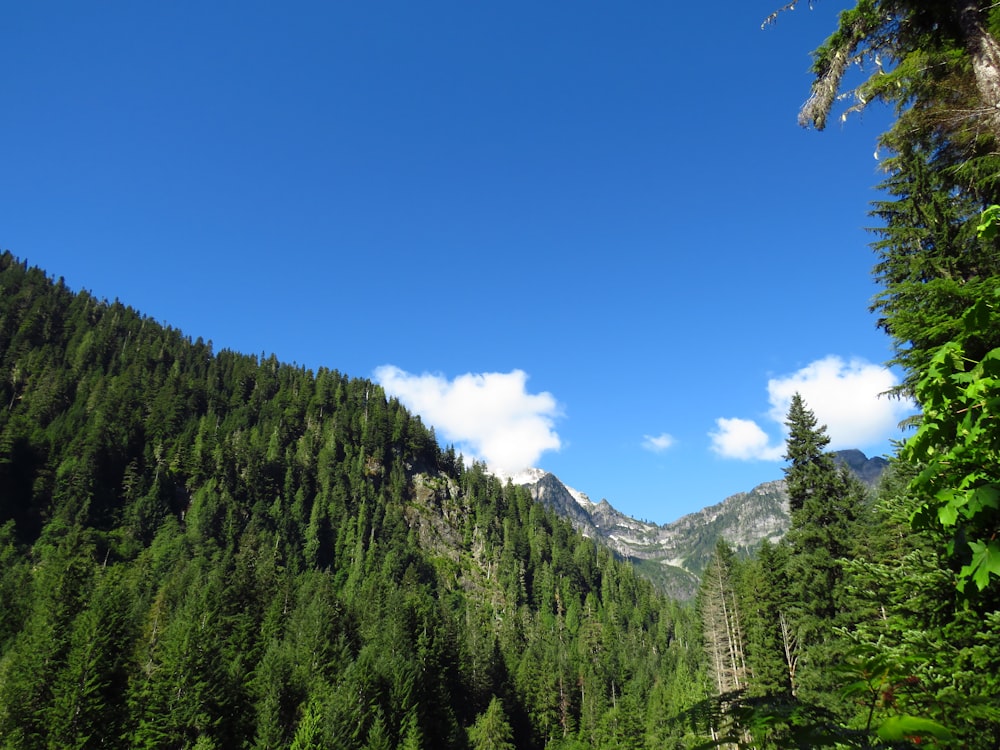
(723, 623)
(825, 501)
(810, 467)
(771, 654)
(492, 730)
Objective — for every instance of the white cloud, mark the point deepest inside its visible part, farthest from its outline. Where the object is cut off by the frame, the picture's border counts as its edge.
(657, 443)
(488, 416)
(846, 396)
(743, 439)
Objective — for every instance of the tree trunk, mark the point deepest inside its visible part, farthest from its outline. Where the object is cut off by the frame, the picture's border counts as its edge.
(984, 51)
(791, 645)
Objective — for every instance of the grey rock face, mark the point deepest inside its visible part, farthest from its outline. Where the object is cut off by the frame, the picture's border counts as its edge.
(673, 555)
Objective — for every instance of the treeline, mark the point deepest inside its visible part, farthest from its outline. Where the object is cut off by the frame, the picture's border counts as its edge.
(203, 549)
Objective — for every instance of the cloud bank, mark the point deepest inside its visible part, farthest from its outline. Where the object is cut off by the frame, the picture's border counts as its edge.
(844, 396)
(487, 416)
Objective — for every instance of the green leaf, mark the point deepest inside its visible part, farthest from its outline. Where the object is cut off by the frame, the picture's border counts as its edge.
(904, 727)
(986, 496)
(951, 500)
(977, 317)
(990, 364)
(988, 223)
(985, 561)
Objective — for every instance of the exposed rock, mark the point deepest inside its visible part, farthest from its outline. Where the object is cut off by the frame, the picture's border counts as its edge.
(674, 554)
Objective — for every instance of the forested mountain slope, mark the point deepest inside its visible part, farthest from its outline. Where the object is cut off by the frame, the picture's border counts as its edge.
(209, 549)
(214, 550)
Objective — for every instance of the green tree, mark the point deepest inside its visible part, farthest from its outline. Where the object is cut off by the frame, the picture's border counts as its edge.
(922, 56)
(771, 651)
(810, 468)
(937, 64)
(184, 692)
(308, 734)
(38, 653)
(723, 622)
(826, 503)
(89, 693)
(931, 263)
(492, 730)
(959, 447)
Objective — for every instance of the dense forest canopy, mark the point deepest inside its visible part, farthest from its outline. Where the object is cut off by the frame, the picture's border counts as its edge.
(207, 549)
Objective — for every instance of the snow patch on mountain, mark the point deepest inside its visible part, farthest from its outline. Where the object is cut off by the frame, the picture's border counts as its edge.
(580, 497)
(525, 476)
(533, 476)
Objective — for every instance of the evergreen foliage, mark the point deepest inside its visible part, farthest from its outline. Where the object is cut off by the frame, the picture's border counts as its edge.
(931, 262)
(895, 600)
(214, 550)
(937, 65)
(852, 632)
(810, 469)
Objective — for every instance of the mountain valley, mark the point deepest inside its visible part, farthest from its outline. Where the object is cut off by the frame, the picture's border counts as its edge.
(673, 555)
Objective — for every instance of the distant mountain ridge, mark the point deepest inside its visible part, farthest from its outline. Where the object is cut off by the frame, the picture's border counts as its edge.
(868, 470)
(673, 555)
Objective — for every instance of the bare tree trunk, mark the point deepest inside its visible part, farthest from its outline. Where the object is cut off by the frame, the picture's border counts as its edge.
(723, 630)
(985, 53)
(740, 660)
(790, 642)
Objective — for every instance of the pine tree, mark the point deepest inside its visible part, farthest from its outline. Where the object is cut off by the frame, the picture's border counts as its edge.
(89, 693)
(771, 655)
(931, 264)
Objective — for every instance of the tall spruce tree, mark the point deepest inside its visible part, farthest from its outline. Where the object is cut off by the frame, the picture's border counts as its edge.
(771, 652)
(826, 502)
(937, 65)
(931, 263)
(810, 467)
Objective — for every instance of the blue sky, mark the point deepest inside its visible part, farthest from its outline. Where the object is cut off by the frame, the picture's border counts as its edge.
(586, 236)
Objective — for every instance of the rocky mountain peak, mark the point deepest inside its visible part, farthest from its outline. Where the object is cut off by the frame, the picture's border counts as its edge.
(674, 554)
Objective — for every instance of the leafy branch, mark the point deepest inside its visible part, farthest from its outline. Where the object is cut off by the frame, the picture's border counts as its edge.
(958, 442)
